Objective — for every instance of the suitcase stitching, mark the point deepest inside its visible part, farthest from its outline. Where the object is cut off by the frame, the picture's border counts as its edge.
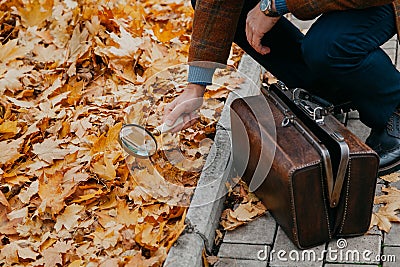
(347, 198)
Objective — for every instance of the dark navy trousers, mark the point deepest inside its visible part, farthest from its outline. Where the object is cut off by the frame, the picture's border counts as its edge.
(339, 58)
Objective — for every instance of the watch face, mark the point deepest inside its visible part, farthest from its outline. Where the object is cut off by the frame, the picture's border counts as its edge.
(263, 5)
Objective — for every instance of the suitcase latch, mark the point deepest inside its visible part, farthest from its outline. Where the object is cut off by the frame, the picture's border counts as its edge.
(287, 120)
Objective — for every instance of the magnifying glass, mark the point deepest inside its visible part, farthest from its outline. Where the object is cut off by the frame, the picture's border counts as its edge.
(139, 142)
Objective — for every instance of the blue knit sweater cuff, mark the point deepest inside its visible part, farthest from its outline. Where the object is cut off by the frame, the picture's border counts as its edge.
(281, 7)
(199, 75)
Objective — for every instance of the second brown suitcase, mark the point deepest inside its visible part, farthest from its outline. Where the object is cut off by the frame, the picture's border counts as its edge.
(317, 182)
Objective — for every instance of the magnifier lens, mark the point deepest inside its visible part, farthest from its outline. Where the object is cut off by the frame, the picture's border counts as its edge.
(137, 141)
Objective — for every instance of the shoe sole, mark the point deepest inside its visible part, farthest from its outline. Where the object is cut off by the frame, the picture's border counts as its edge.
(389, 169)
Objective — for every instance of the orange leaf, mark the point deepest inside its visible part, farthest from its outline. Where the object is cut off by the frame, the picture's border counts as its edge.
(35, 12)
(50, 191)
(168, 32)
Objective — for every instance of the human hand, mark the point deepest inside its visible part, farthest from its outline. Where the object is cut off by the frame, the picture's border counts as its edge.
(257, 25)
(184, 106)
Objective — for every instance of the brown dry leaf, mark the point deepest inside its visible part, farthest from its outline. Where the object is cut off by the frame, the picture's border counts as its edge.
(149, 236)
(51, 191)
(107, 239)
(11, 50)
(212, 259)
(383, 218)
(35, 12)
(9, 151)
(27, 253)
(4, 201)
(246, 212)
(53, 255)
(50, 150)
(128, 45)
(11, 79)
(392, 178)
(8, 127)
(32, 190)
(167, 32)
(391, 199)
(10, 253)
(79, 44)
(105, 170)
(69, 218)
(125, 215)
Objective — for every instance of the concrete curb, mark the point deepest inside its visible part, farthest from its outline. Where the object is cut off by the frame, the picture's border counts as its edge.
(207, 203)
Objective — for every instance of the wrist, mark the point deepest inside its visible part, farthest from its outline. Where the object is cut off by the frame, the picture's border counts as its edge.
(197, 89)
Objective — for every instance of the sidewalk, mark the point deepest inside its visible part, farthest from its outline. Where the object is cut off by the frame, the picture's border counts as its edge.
(263, 238)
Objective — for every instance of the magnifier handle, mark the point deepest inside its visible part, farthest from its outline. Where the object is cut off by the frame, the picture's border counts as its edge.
(165, 128)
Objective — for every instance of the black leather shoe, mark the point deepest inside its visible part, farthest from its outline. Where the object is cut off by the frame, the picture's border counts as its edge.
(386, 142)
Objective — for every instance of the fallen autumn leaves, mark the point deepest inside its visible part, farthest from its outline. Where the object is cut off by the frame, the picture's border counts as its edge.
(71, 73)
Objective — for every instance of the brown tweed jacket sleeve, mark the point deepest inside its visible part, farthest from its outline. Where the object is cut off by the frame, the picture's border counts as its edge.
(309, 9)
(214, 27)
(215, 22)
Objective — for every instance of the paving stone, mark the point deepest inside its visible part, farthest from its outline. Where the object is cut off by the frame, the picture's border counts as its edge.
(261, 231)
(243, 251)
(395, 184)
(390, 256)
(285, 253)
(225, 262)
(393, 237)
(180, 256)
(207, 202)
(362, 249)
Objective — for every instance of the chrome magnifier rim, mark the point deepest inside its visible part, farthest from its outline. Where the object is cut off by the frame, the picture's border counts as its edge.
(128, 147)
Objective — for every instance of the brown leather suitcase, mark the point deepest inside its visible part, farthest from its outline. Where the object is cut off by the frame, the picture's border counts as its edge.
(315, 177)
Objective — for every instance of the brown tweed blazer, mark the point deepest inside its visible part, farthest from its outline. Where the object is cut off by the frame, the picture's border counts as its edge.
(215, 22)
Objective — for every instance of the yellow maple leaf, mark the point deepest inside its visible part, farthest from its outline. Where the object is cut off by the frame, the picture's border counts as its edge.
(105, 171)
(391, 199)
(149, 236)
(52, 256)
(35, 12)
(168, 32)
(383, 218)
(245, 212)
(11, 50)
(69, 218)
(11, 79)
(125, 215)
(79, 44)
(9, 151)
(51, 192)
(50, 150)
(128, 45)
(9, 127)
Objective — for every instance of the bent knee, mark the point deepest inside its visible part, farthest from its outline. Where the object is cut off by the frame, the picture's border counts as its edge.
(325, 54)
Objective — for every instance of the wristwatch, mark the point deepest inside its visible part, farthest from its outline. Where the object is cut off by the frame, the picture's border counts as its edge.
(266, 8)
